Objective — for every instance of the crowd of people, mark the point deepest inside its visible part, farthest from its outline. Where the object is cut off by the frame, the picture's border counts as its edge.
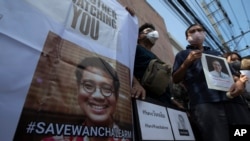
(212, 111)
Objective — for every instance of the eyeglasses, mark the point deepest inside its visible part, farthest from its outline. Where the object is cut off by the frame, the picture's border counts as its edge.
(194, 30)
(90, 87)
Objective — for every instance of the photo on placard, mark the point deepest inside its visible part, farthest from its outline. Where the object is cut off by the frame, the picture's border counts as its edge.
(76, 94)
(180, 124)
(152, 122)
(217, 72)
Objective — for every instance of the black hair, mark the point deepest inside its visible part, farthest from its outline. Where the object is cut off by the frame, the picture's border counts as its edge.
(100, 64)
(195, 24)
(146, 25)
(225, 55)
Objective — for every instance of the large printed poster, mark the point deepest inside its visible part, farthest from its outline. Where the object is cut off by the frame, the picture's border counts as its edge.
(66, 70)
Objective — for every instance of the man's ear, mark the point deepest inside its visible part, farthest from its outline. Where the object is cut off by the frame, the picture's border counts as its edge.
(140, 36)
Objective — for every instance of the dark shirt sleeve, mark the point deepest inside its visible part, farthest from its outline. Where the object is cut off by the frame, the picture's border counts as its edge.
(142, 59)
(179, 59)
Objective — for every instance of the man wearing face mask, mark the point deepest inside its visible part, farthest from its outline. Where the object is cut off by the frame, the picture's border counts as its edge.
(146, 40)
(213, 110)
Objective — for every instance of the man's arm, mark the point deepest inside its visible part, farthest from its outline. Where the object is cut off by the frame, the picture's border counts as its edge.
(179, 75)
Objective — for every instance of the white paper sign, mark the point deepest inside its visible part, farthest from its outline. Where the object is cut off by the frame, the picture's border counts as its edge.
(180, 125)
(154, 122)
(247, 73)
(217, 72)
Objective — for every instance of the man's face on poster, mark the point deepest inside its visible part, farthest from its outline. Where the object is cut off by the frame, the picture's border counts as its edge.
(96, 96)
(217, 66)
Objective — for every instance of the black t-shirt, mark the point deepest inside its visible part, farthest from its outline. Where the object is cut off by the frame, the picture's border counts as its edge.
(142, 59)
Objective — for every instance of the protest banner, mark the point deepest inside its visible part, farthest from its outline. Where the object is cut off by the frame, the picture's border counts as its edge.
(43, 44)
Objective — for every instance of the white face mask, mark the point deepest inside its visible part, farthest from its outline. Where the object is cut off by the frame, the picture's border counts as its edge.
(153, 36)
(196, 38)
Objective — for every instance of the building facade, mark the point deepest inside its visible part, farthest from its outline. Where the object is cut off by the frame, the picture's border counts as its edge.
(145, 13)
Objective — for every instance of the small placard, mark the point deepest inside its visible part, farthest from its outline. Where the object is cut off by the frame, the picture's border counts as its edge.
(153, 121)
(180, 124)
(247, 73)
(217, 72)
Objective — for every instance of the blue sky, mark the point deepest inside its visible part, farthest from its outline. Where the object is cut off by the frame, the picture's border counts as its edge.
(236, 10)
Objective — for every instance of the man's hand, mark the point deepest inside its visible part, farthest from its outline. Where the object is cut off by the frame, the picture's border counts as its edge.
(137, 90)
(179, 75)
(236, 89)
(243, 78)
(194, 55)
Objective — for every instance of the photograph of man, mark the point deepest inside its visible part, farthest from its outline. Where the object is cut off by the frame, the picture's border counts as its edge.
(217, 70)
(181, 122)
(98, 89)
(183, 131)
